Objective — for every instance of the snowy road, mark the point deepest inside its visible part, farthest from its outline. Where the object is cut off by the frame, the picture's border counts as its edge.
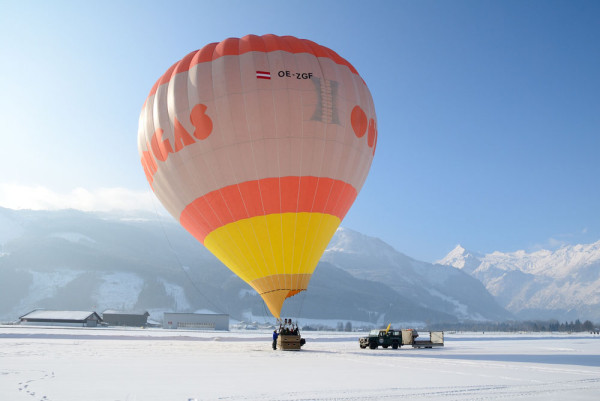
(48, 364)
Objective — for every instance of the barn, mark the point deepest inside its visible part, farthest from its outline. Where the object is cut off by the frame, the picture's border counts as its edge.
(196, 321)
(42, 317)
(121, 318)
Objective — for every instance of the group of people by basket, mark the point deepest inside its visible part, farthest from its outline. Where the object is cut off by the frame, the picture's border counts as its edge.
(287, 328)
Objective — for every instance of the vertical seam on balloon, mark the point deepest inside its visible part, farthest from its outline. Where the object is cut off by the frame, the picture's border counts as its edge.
(320, 222)
(236, 245)
(279, 188)
(255, 170)
(293, 256)
(305, 253)
(288, 268)
(276, 283)
(260, 190)
(265, 269)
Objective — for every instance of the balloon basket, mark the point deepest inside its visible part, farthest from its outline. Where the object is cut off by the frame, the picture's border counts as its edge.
(289, 338)
(289, 342)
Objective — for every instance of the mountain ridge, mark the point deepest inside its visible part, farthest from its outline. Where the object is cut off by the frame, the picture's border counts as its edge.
(70, 259)
(562, 284)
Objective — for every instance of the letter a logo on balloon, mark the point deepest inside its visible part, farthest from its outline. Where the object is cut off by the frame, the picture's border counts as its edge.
(260, 166)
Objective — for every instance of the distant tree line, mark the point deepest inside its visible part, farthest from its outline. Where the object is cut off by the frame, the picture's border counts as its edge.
(508, 326)
(525, 325)
(323, 327)
(344, 327)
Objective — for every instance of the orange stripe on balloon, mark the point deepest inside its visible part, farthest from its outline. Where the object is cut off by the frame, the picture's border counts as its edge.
(249, 43)
(264, 197)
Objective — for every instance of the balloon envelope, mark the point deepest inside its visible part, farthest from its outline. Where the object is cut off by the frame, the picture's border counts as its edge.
(258, 146)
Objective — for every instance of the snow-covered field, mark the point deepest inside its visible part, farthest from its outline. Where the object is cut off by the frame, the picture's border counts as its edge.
(62, 364)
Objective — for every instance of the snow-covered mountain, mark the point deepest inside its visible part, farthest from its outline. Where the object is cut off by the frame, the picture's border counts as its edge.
(561, 284)
(432, 286)
(76, 260)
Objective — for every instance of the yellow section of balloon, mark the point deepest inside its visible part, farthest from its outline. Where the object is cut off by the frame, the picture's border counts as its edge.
(287, 243)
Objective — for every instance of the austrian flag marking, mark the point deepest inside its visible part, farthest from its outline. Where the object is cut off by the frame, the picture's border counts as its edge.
(263, 75)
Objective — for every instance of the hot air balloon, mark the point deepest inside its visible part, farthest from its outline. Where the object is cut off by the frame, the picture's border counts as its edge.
(258, 146)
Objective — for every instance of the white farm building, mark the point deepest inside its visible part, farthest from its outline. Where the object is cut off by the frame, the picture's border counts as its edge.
(196, 321)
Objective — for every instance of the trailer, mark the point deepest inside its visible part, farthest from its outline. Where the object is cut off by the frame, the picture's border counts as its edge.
(436, 339)
(396, 338)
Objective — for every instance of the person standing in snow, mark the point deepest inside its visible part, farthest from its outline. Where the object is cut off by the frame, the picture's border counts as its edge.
(275, 335)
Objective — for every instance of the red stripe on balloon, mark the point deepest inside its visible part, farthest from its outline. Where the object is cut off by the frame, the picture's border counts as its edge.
(264, 197)
(249, 43)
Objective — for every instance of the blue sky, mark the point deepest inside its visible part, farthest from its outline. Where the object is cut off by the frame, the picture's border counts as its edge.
(488, 111)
